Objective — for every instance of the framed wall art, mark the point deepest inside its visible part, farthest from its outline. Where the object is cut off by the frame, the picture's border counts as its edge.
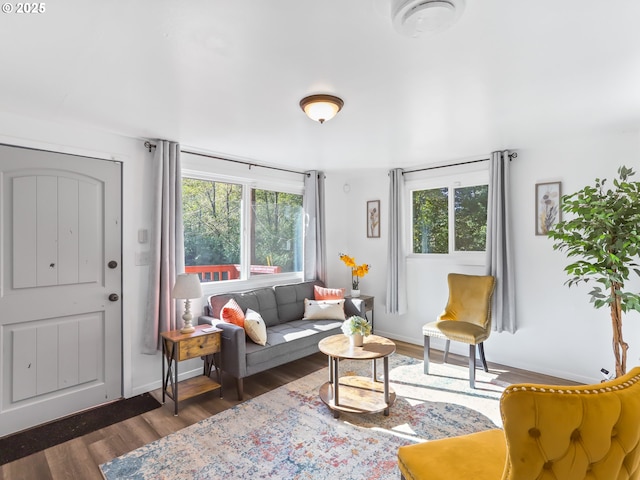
(373, 219)
(547, 206)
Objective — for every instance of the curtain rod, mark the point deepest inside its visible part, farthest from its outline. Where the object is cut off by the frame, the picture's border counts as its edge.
(150, 145)
(511, 157)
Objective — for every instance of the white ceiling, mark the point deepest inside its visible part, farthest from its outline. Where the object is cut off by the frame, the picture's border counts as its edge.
(226, 76)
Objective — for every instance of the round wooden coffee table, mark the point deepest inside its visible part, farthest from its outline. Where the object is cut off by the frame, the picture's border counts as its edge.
(357, 394)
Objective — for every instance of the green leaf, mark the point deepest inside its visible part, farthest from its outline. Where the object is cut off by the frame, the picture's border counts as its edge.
(602, 237)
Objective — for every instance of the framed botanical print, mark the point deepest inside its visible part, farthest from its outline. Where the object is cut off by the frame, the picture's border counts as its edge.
(373, 219)
(547, 206)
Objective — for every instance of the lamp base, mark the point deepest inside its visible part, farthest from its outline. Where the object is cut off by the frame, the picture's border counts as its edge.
(187, 317)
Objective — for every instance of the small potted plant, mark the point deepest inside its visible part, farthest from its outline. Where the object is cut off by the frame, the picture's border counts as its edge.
(356, 328)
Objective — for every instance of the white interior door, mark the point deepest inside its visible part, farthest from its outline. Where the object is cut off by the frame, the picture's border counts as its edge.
(61, 243)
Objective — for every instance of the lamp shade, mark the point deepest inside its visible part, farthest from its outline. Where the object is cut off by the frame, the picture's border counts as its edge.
(321, 107)
(187, 286)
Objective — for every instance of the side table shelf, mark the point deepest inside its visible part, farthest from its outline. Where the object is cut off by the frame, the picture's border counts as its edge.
(176, 347)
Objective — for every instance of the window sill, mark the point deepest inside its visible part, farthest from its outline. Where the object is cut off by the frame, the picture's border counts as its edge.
(470, 258)
(212, 288)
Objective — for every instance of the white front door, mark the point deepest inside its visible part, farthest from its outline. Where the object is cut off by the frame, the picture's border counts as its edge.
(60, 285)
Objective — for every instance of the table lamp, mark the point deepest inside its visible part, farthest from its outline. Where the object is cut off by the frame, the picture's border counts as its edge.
(187, 287)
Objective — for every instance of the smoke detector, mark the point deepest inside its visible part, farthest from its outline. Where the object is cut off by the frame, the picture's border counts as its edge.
(415, 17)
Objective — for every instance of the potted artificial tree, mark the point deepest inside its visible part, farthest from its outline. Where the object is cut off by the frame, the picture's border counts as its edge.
(604, 236)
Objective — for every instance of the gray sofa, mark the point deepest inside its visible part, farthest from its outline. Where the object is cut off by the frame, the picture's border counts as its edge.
(288, 336)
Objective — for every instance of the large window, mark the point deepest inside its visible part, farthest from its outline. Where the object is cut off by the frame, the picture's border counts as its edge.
(449, 219)
(235, 231)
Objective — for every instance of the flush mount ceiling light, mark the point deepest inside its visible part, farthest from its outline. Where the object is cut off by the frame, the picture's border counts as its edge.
(415, 17)
(321, 107)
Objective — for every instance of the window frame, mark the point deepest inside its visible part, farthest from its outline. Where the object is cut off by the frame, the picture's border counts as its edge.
(460, 176)
(216, 171)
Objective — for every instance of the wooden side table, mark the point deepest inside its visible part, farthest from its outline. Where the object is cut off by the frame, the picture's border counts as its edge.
(368, 305)
(177, 347)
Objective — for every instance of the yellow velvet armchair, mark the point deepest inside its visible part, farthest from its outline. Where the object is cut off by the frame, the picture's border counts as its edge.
(466, 318)
(550, 433)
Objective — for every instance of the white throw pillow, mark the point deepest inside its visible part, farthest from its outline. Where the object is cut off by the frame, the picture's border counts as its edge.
(255, 327)
(323, 309)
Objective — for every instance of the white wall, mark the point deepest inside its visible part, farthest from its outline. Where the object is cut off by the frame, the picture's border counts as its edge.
(559, 333)
(141, 372)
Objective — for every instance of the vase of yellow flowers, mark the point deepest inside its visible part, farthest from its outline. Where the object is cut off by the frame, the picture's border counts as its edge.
(357, 272)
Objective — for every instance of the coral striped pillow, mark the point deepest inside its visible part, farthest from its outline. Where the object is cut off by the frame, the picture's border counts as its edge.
(232, 313)
(321, 293)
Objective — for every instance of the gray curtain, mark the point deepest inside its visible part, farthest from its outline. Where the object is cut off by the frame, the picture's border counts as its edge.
(167, 244)
(315, 256)
(396, 262)
(500, 262)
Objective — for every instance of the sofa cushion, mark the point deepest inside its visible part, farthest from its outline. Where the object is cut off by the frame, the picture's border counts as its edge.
(291, 297)
(255, 327)
(322, 293)
(323, 309)
(267, 307)
(286, 338)
(216, 302)
(261, 300)
(232, 313)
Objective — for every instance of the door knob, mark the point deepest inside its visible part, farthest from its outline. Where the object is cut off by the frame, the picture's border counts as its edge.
(114, 297)
(112, 264)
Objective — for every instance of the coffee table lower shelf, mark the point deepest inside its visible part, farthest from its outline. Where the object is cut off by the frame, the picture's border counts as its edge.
(357, 395)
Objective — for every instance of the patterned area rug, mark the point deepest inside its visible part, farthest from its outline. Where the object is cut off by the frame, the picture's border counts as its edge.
(289, 433)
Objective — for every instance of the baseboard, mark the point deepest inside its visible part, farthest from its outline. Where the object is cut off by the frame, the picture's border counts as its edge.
(158, 384)
(552, 372)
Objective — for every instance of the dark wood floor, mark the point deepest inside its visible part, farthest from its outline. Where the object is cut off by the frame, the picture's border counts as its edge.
(79, 458)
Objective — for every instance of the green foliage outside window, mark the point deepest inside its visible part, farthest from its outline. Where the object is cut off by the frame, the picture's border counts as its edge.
(212, 218)
(470, 213)
(277, 219)
(431, 223)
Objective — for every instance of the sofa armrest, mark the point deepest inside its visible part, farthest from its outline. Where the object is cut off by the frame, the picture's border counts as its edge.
(234, 346)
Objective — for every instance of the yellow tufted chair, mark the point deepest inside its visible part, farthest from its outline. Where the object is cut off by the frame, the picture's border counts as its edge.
(589, 432)
(466, 318)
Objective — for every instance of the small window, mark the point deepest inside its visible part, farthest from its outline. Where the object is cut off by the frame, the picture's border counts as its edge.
(276, 232)
(444, 223)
